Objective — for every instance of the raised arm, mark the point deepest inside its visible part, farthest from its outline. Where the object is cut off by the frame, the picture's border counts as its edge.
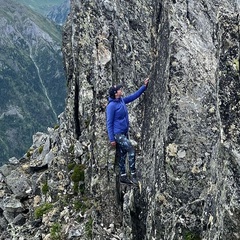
(136, 94)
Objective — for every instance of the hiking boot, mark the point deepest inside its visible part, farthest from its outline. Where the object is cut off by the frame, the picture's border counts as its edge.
(124, 179)
(134, 178)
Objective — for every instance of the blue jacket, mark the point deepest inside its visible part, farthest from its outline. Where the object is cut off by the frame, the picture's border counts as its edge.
(117, 113)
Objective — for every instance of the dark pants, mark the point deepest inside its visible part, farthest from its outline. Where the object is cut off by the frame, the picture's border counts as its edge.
(125, 147)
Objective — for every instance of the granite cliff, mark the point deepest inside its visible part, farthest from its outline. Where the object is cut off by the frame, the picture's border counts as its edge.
(185, 129)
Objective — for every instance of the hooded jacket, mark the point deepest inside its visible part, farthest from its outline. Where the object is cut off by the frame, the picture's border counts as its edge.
(117, 113)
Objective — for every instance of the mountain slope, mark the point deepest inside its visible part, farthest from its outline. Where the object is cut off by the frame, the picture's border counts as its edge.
(56, 10)
(59, 13)
(32, 81)
(43, 7)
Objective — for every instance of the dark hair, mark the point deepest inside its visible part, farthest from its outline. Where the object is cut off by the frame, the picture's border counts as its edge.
(113, 90)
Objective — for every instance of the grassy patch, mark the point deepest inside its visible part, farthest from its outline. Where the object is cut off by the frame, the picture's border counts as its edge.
(71, 149)
(45, 208)
(70, 166)
(78, 173)
(191, 236)
(78, 179)
(88, 228)
(55, 231)
(45, 188)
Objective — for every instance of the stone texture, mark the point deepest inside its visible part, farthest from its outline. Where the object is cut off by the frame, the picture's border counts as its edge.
(185, 127)
(190, 50)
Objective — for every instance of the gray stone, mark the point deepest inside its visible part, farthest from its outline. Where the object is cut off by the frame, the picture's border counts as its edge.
(19, 220)
(6, 169)
(11, 204)
(19, 184)
(13, 160)
(3, 224)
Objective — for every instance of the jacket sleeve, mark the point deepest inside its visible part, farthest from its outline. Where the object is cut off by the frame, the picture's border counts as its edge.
(135, 95)
(110, 121)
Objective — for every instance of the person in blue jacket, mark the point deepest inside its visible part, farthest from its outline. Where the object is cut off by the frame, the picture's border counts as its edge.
(118, 126)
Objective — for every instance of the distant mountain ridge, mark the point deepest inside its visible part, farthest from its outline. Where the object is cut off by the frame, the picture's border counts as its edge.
(59, 13)
(56, 10)
(32, 78)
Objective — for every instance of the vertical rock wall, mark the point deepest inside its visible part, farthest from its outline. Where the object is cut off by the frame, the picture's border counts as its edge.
(186, 124)
(193, 158)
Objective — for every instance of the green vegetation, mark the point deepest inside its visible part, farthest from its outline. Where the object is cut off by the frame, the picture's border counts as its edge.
(55, 231)
(78, 173)
(88, 228)
(78, 205)
(82, 205)
(71, 149)
(56, 127)
(45, 188)
(40, 149)
(71, 166)
(191, 236)
(39, 211)
(77, 177)
(29, 154)
(65, 200)
(76, 188)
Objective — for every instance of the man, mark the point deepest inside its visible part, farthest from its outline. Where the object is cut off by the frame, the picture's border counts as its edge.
(118, 126)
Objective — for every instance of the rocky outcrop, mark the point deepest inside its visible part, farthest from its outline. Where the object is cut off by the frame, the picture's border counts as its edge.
(185, 128)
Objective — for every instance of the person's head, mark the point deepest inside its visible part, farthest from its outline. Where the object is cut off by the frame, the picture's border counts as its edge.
(115, 91)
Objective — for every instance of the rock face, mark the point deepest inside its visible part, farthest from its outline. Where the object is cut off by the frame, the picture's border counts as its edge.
(186, 129)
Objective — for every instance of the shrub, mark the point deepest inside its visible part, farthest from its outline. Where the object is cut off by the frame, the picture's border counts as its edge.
(78, 173)
(71, 166)
(88, 228)
(191, 236)
(29, 154)
(81, 205)
(78, 176)
(55, 231)
(71, 149)
(75, 188)
(56, 126)
(45, 188)
(39, 211)
(40, 149)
